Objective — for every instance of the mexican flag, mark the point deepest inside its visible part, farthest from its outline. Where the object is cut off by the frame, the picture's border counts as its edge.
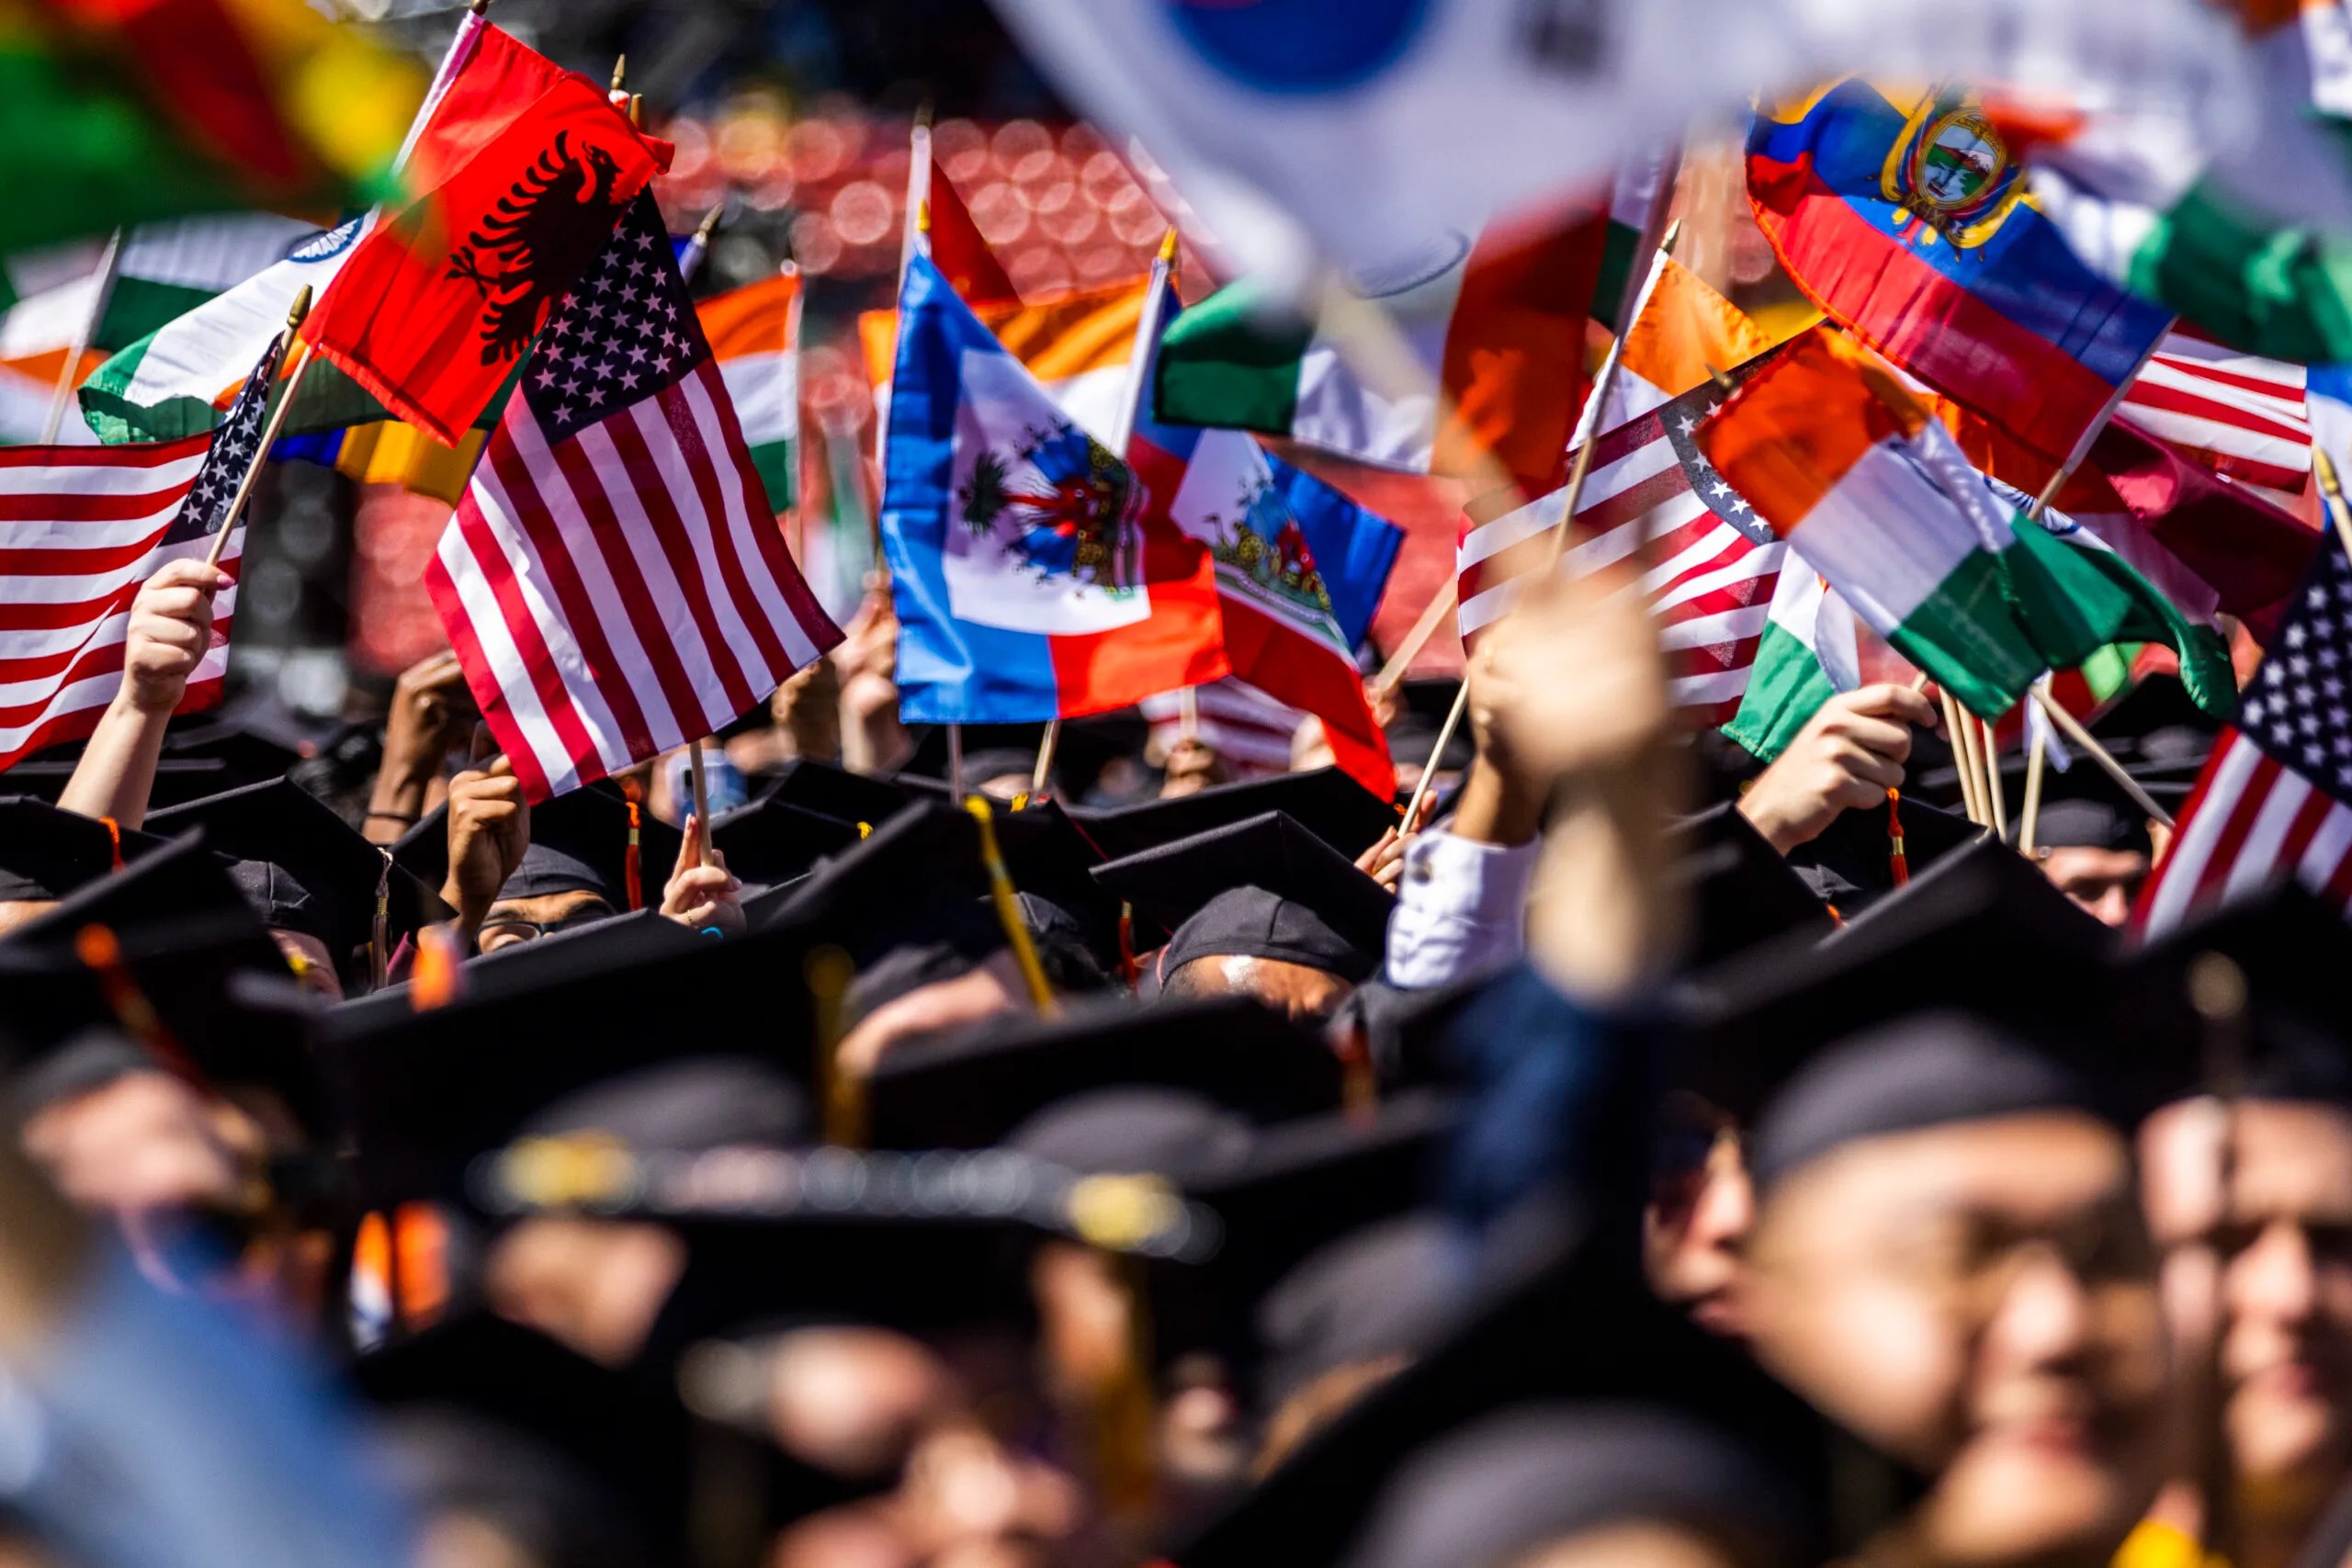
(1806, 656)
(1496, 326)
(753, 332)
(1841, 461)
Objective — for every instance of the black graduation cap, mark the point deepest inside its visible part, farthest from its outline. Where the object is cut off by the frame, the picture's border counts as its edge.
(1049, 857)
(1404, 1033)
(191, 950)
(773, 841)
(203, 754)
(1086, 747)
(1742, 891)
(304, 869)
(1982, 930)
(1851, 863)
(2080, 807)
(972, 1091)
(581, 1462)
(836, 792)
(1573, 1324)
(1326, 802)
(427, 1092)
(915, 880)
(1173, 884)
(580, 842)
(46, 852)
(1300, 1187)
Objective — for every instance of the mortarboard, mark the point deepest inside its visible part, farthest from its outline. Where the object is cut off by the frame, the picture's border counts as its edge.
(836, 792)
(2081, 807)
(1571, 1322)
(684, 1106)
(772, 842)
(1981, 930)
(46, 853)
(304, 869)
(1508, 1484)
(1085, 748)
(1920, 1070)
(1171, 885)
(555, 1432)
(1386, 1288)
(580, 842)
(1742, 891)
(1851, 862)
(203, 754)
(973, 1089)
(1327, 803)
(190, 989)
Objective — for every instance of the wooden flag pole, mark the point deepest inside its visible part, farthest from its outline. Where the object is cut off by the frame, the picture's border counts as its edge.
(2036, 759)
(1994, 790)
(701, 785)
(2072, 729)
(69, 373)
(1392, 673)
(1044, 768)
(955, 762)
(1955, 733)
(2331, 490)
(1188, 713)
(1422, 785)
(294, 347)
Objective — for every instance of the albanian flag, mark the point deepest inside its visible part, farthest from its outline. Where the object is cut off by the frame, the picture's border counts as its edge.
(525, 171)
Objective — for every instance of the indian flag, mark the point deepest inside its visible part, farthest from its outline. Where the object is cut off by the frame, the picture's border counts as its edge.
(1849, 467)
(1806, 656)
(1080, 346)
(753, 332)
(1496, 329)
(179, 378)
(1638, 199)
(2250, 243)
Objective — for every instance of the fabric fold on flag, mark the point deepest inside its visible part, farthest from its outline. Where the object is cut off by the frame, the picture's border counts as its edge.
(614, 583)
(1841, 461)
(1807, 655)
(1032, 578)
(1907, 221)
(524, 170)
(2271, 801)
(81, 529)
(1496, 324)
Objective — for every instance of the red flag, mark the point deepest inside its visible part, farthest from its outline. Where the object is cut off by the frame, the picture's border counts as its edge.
(961, 251)
(525, 169)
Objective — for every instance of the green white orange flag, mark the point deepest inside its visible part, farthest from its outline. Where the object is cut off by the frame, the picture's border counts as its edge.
(1846, 464)
(1496, 326)
(753, 332)
(1807, 655)
(1683, 333)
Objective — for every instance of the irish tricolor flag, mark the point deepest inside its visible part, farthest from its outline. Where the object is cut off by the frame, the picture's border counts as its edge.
(1806, 656)
(1495, 324)
(1849, 467)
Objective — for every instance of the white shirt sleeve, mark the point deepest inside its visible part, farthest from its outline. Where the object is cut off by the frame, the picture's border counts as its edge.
(1460, 910)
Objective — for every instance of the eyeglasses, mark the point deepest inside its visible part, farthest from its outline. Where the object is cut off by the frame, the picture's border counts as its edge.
(506, 932)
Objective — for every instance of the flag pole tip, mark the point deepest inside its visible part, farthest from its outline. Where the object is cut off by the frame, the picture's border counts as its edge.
(621, 70)
(478, 8)
(636, 110)
(922, 218)
(709, 224)
(301, 308)
(1168, 246)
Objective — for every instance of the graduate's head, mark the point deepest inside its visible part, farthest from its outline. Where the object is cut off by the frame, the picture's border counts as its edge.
(2093, 843)
(1949, 1258)
(2274, 1256)
(1303, 929)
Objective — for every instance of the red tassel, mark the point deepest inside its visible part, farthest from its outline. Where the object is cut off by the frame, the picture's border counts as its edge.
(114, 836)
(635, 870)
(1130, 967)
(1898, 864)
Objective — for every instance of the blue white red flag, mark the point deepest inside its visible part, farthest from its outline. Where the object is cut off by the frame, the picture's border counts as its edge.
(1033, 579)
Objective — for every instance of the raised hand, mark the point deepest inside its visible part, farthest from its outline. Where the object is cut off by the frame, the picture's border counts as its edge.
(700, 896)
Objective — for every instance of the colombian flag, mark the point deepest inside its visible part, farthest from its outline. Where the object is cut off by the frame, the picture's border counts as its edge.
(1909, 221)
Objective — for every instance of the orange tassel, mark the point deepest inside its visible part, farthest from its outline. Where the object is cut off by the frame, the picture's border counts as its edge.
(114, 836)
(1898, 864)
(101, 954)
(636, 868)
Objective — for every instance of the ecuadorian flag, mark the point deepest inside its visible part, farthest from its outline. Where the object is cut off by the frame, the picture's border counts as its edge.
(1909, 221)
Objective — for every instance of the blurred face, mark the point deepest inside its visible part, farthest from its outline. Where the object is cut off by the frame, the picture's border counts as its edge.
(853, 1400)
(2286, 1261)
(2105, 882)
(1635, 1544)
(1979, 1300)
(1692, 1233)
(596, 1285)
(991, 987)
(513, 920)
(1308, 995)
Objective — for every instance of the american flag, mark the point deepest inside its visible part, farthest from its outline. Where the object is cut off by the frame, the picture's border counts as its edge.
(2271, 801)
(613, 582)
(1713, 562)
(1249, 730)
(2245, 417)
(81, 529)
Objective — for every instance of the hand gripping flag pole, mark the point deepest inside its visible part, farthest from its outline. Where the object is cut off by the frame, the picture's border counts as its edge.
(288, 344)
